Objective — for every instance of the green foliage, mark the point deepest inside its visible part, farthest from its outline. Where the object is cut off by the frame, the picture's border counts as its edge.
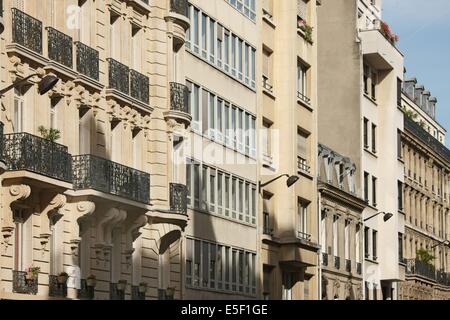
(49, 134)
(425, 256)
(410, 114)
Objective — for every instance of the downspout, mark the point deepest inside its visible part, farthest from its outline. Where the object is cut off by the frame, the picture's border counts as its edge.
(319, 255)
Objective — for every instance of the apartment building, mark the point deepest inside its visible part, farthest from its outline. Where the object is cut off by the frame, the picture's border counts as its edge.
(425, 199)
(341, 227)
(96, 209)
(359, 116)
(288, 119)
(221, 71)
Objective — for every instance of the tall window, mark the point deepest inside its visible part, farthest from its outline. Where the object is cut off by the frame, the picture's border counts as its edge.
(374, 81)
(114, 33)
(374, 244)
(203, 36)
(400, 195)
(400, 247)
(374, 138)
(366, 133)
(56, 249)
(347, 240)
(374, 191)
(366, 79)
(303, 151)
(267, 139)
(366, 290)
(302, 81)
(195, 29)
(366, 187)
(357, 243)
(53, 113)
(18, 118)
(366, 242)
(23, 238)
(336, 236)
(287, 285)
(302, 219)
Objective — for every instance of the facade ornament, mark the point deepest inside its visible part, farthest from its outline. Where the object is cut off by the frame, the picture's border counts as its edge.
(16, 193)
(55, 204)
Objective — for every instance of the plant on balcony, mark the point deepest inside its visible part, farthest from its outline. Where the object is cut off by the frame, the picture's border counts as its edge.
(410, 114)
(386, 30)
(143, 287)
(32, 273)
(307, 29)
(91, 280)
(49, 134)
(121, 285)
(62, 278)
(425, 256)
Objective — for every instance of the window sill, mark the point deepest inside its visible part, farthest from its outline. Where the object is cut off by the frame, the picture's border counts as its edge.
(306, 174)
(302, 34)
(371, 152)
(269, 21)
(374, 101)
(269, 93)
(305, 105)
(371, 260)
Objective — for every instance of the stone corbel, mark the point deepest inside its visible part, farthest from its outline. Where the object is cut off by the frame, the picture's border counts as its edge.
(82, 210)
(55, 204)
(132, 233)
(16, 193)
(101, 225)
(118, 218)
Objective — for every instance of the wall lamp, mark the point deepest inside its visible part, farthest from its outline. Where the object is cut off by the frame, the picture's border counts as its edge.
(445, 243)
(47, 83)
(387, 216)
(290, 181)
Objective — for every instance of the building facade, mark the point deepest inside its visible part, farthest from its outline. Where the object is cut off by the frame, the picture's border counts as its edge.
(289, 241)
(341, 227)
(425, 244)
(91, 205)
(358, 116)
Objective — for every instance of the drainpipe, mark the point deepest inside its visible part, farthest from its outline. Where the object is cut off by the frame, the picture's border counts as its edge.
(319, 256)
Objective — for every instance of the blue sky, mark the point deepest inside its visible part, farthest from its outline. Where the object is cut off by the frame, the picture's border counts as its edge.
(424, 30)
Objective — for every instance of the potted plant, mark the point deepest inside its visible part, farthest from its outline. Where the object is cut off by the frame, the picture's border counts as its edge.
(143, 287)
(32, 273)
(91, 281)
(170, 291)
(306, 29)
(121, 285)
(49, 134)
(62, 278)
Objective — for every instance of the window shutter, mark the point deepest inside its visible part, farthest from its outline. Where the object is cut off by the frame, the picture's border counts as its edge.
(301, 145)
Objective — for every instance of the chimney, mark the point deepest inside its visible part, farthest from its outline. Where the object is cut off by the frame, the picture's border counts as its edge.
(424, 104)
(418, 90)
(408, 87)
(432, 106)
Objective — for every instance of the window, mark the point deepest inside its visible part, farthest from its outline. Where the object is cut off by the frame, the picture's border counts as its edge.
(203, 36)
(302, 220)
(374, 191)
(23, 245)
(366, 187)
(267, 141)
(366, 242)
(366, 290)
(399, 92)
(53, 113)
(374, 138)
(246, 7)
(241, 199)
(114, 32)
(335, 236)
(195, 29)
(212, 190)
(374, 80)
(227, 195)
(219, 45)
(366, 133)
(375, 290)
(357, 243)
(302, 80)
(399, 145)
(220, 193)
(195, 106)
(136, 46)
(303, 151)
(287, 285)
(374, 244)
(400, 195)
(212, 38)
(366, 79)
(400, 247)
(18, 120)
(347, 240)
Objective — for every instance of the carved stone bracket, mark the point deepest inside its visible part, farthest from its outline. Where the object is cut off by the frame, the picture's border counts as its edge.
(16, 193)
(55, 204)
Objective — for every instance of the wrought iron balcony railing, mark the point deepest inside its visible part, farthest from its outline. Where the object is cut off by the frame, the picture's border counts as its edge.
(348, 265)
(303, 165)
(112, 178)
(26, 31)
(91, 172)
(23, 285)
(85, 292)
(87, 60)
(359, 268)
(119, 76)
(115, 293)
(324, 258)
(178, 198)
(60, 48)
(180, 7)
(427, 138)
(415, 266)
(337, 262)
(443, 277)
(139, 86)
(56, 289)
(179, 97)
(1, 141)
(303, 236)
(24, 151)
(135, 294)
(303, 97)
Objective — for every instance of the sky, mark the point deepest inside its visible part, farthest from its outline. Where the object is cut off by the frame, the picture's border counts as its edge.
(424, 31)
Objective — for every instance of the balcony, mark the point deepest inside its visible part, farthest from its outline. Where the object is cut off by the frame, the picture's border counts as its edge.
(136, 294)
(179, 7)
(60, 47)
(85, 292)
(115, 293)
(303, 236)
(303, 98)
(267, 86)
(359, 268)
(23, 285)
(23, 151)
(324, 259)
(337, 262)
(139, 88)
(179, 104)
(91, 172)
(26, 31)
(348, 265)
(417, 267)
(427, 139)
(87, 61)
(443, 278)
(302, 165)
(2, 160)
(56, 288)
(119, 76)
(178, 198)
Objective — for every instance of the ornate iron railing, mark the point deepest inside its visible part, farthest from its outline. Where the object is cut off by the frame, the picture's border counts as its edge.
(135, 294)
(415, 266)
(24, 151)
(91, 172)
(359, 268)
(56, 289)
(302, 97)
(348, 265)
(179, 97)
(119, 76)
(324, 258)
(302, 165)
(427, 138)
(85, 292)
(1, 141)
(178, 198)
(139, 86)
(23, 285)
(60, 47)
(87, 60)
(26, 31)
(179, 6)
(114, 293)
(337, 262)
(303, 236)
(443, 277)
